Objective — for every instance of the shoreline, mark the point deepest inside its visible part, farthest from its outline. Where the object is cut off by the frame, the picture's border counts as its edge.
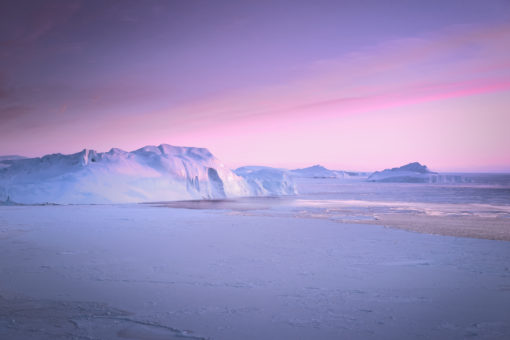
(497, 229)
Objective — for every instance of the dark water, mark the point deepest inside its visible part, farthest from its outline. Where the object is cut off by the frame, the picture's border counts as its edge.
(311, 189)
(404, 192)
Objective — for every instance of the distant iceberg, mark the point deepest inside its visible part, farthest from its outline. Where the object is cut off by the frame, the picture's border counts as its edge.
(418, 173)
(315, 171)
(318, 171)
(152, 173)
(409, 173)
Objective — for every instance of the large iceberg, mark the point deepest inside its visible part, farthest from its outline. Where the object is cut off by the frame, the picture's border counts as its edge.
(152, 173)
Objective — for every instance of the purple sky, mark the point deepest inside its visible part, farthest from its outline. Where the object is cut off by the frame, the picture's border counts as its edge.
(359, 85)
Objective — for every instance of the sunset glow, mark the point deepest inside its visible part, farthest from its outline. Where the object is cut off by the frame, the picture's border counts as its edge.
(256, 85)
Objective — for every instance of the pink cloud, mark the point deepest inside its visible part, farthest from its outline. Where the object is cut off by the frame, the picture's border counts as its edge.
(458, 62)
(412, 95)
(441, 98)
(358, 93)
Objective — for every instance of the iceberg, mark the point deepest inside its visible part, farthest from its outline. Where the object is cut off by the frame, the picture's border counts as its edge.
(409, 173)
(152, 173)
(266, 181)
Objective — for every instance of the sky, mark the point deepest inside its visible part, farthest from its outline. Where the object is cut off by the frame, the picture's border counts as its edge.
(354, 85)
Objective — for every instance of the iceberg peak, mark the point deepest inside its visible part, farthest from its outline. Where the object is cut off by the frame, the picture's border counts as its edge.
(413, 172)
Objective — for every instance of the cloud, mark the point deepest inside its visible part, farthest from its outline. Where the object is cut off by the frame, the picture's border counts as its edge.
(457, 62)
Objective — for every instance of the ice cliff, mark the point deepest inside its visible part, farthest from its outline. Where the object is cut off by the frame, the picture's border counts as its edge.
(267, 181)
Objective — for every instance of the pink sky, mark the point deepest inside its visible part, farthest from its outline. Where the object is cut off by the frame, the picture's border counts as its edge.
(403, 101)
(440, 97)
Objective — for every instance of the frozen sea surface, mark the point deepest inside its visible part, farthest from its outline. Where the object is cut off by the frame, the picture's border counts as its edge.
(241, 270)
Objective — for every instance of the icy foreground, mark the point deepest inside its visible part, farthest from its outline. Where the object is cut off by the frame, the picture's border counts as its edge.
(310, 266)
(152, 173)
(272, 271)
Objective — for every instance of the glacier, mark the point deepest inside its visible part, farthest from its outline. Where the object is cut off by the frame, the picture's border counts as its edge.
(149, 174)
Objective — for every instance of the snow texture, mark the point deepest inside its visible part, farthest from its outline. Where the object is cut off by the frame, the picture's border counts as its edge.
(295, 270)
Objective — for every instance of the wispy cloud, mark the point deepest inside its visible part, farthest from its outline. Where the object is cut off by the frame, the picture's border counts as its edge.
(460, 61)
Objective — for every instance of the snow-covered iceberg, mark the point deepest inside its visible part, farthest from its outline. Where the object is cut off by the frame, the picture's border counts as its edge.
(267, 181)
(315, 171)
(152, 173)
(318, 171)
(418, 173)
(409, 173)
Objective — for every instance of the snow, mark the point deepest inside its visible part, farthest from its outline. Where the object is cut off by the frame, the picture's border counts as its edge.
(152, 173)
(293, 270)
